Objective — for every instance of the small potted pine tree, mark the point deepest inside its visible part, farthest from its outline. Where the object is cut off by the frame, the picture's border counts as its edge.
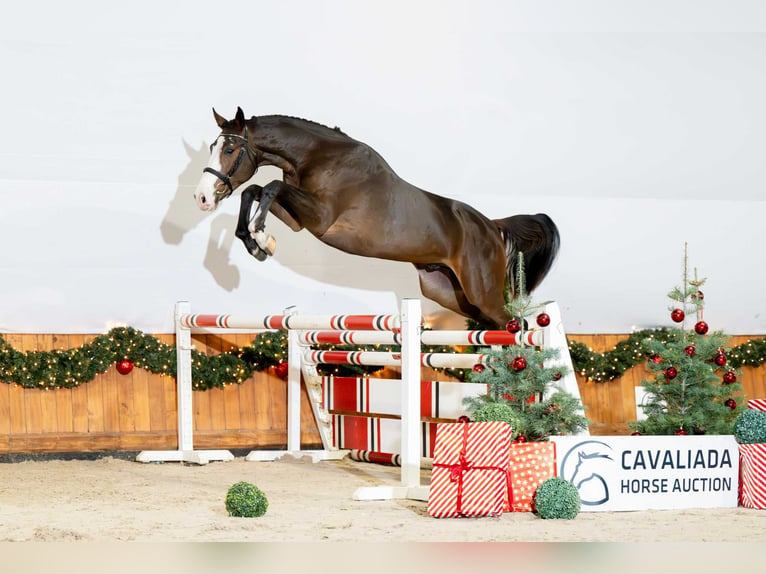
(694, 390)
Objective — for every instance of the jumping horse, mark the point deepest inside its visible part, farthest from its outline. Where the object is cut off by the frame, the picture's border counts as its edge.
(346, 195)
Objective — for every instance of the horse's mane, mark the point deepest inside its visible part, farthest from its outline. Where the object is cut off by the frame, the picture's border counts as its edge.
(312, 122)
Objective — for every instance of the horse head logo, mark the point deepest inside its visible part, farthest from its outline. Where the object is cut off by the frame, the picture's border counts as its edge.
(585, 466)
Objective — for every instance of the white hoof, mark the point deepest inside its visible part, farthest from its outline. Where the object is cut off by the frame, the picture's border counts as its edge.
(265, 242)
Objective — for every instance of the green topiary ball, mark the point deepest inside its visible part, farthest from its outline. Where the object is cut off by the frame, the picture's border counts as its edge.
(246, 500)
(750, 427)
(557, 498)
(489, 412)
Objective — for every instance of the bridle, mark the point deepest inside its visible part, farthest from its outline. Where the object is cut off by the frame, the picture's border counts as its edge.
(226, 178)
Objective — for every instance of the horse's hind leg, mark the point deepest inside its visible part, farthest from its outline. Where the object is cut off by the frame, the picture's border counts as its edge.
(440, 284)
(483, 283)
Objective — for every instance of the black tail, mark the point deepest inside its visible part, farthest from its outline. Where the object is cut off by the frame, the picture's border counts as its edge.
(538, 238)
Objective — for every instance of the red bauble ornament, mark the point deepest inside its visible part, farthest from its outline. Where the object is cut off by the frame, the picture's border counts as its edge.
(543, 319)
(556, 376)
(124, 367)
(690, 350)
(281, 369)
(729, 377)
(677, 315)
(477, 368)
(719, 359)
(520, 438)
(671, 373)
(698, 295)
(656, 359)
(701, 328)
(731, 403)
(519, 363)
(513, 326)
(635, 433)
(463, 419)
(681, 432)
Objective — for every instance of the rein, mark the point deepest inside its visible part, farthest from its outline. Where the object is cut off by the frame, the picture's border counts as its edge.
(226, 178)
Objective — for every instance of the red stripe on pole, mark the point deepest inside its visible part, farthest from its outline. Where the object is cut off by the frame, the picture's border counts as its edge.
(342, 357)
(358, 322)
(204, 320)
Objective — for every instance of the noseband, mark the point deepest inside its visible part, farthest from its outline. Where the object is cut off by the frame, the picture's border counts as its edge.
(226, 178)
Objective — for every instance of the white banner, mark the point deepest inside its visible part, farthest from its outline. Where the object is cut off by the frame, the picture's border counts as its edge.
(650, 472)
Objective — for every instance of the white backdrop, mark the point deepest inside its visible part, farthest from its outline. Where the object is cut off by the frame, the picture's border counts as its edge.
(635, 125)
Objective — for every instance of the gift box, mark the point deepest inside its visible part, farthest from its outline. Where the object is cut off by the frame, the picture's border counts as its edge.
(531, 464)
(752, 473)
(757, 404)
(469, 477)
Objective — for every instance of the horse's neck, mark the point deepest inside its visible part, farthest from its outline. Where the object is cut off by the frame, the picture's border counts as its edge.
(283, 136)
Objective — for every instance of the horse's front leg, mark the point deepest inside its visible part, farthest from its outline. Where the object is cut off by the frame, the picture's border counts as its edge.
(243, 232)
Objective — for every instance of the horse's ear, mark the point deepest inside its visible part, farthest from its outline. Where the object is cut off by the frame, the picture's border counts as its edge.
(240, 117)
(219, 119)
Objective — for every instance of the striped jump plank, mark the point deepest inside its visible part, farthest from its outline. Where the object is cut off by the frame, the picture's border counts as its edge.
(334, 322)
(385, 359)
(532, 338)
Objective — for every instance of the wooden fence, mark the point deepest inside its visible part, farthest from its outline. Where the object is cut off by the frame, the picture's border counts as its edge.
(612, 405)
(138, 411)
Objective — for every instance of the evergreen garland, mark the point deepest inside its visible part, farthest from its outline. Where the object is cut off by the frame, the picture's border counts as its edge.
(73, 367)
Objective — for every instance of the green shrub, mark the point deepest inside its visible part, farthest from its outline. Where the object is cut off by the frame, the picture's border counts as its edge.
(750, 427)
(492, 411)
(557, 498)
(246, 500)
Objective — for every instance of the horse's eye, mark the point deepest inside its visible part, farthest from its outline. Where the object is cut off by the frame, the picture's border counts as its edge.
(228, 151)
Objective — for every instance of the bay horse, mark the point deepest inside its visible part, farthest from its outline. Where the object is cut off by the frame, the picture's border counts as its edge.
(346, 195)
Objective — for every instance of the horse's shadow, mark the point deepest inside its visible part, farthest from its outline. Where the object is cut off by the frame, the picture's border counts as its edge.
(299, 252)
(183, 215)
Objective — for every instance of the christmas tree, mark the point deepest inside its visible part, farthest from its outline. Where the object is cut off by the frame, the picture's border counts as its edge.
(522, 380)
(693, 390)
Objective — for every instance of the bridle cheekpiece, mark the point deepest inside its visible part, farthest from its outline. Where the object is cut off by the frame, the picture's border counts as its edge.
(226, 178)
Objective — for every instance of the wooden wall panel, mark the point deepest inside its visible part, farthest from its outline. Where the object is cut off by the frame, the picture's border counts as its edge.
(79, 395)
(139, 411)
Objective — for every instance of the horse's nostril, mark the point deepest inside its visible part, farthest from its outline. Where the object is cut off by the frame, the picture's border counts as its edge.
(202, 199)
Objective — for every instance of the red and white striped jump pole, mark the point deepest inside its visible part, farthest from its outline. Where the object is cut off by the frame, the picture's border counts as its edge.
(456, 338)
(387, 359)
(296, 322)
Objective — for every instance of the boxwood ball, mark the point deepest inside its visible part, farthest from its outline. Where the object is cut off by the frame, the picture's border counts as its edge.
(557, 498)
(750, 427)
(246, 500)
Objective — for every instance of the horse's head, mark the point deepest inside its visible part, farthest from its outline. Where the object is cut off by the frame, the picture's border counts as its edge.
(232, 162)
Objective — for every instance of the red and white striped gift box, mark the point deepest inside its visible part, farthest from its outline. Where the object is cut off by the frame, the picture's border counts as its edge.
(469, 477)
(752, 473)
(757, 404)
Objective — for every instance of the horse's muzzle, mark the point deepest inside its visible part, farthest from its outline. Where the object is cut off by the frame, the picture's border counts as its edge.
(204, 202)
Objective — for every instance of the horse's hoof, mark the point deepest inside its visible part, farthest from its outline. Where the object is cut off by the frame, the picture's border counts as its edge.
(259, 254)
(266, 242)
